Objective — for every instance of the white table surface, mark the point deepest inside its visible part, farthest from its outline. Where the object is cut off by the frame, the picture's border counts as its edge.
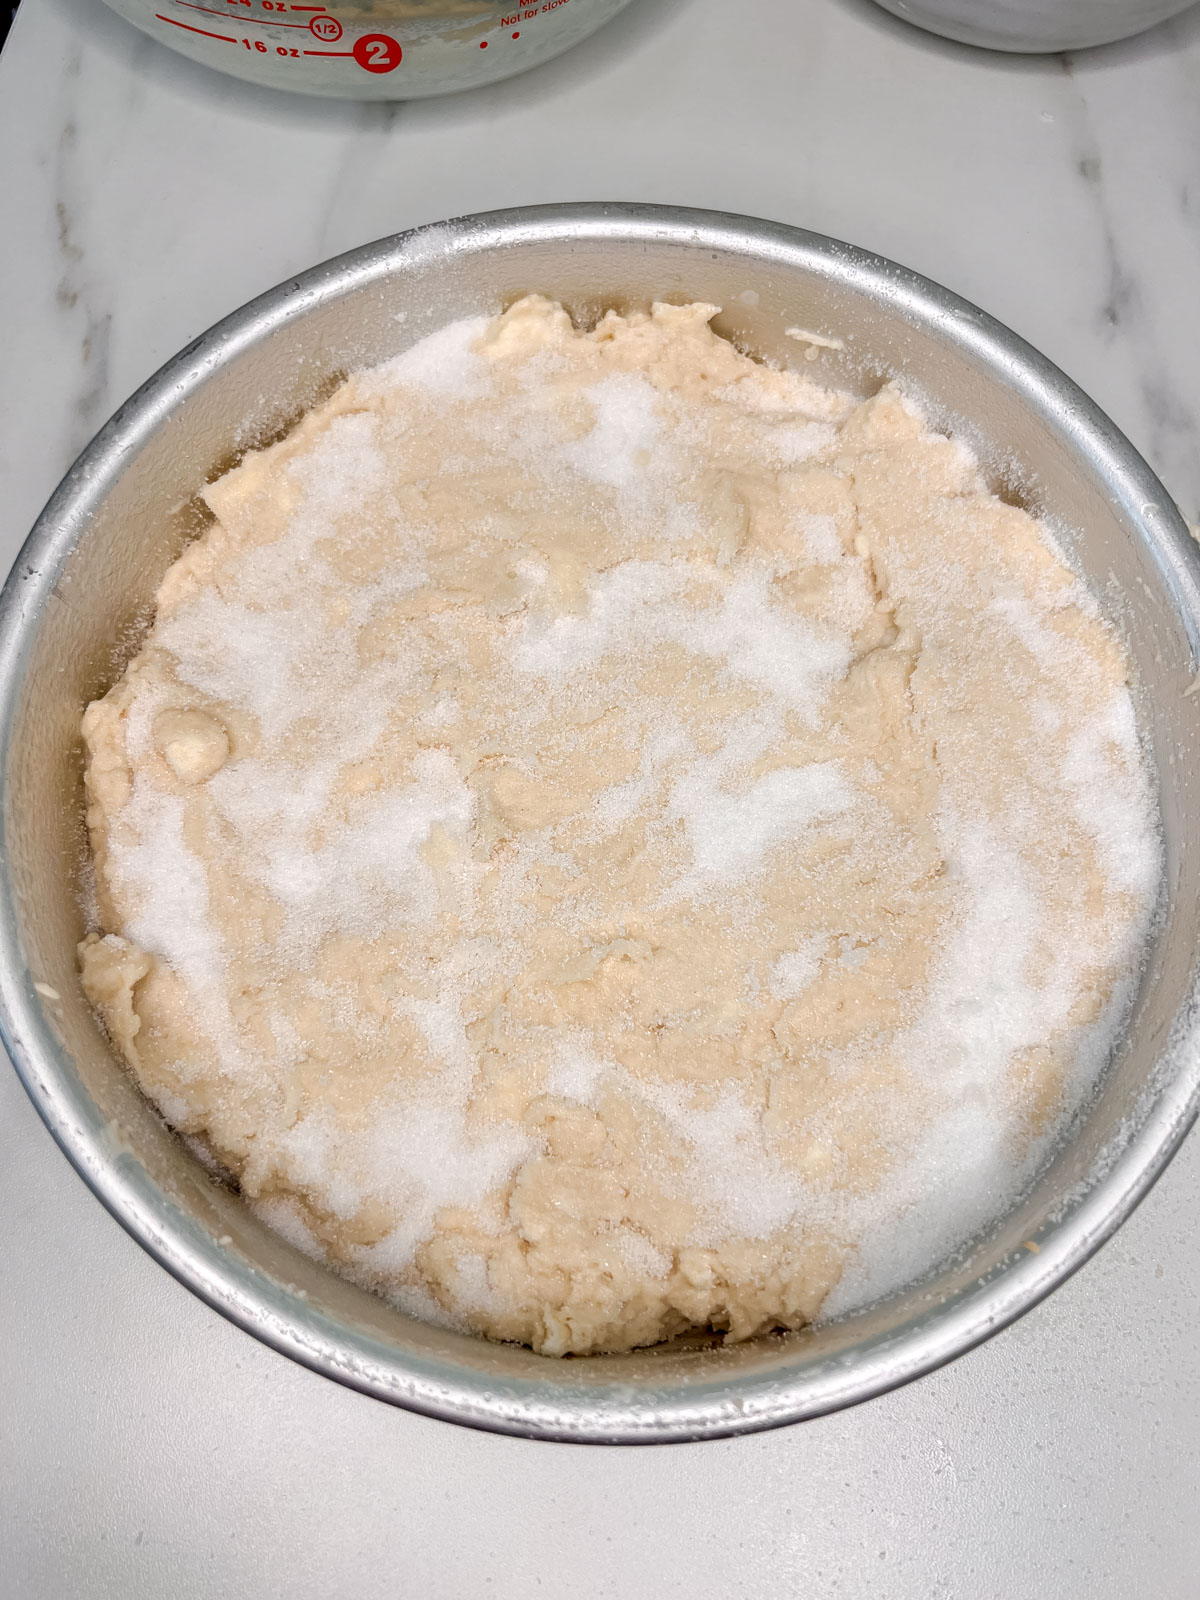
(148, 1448)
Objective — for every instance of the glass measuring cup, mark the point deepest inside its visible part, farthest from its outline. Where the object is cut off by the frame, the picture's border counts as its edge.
(369, 49)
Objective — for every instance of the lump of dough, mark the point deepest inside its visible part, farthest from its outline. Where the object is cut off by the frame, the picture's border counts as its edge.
(111, 967)
(192, 743)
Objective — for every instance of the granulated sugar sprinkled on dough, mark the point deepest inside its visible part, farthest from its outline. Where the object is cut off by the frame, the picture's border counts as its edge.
(604, 836)
(627, 424)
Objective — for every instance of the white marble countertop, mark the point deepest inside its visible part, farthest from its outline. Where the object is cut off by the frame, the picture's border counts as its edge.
(150, 1448)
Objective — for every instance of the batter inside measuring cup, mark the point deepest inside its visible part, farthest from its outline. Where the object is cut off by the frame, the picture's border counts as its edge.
(604, 836)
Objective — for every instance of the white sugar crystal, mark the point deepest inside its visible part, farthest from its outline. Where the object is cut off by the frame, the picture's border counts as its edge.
(154, 864)
(339, 473)
(283, 1214)
(645, 1258)
(822, 540)
(617, 450)
(1108, 792)
(628, 608)
(742, 1187)
(992, 997)
(636, 605)
(576, 1070)
(666, 741)
(242, 656)
(782, 654)
(369, 866)
(731, 833)
(440, 1021)
(792, 973)
(444, 364)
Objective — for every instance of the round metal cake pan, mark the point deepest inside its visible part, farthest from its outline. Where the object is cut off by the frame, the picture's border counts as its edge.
(84, 581)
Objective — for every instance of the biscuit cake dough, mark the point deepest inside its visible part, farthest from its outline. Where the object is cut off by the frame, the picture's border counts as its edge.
(604, 836)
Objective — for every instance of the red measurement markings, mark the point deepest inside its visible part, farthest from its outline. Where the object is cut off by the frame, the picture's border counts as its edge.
(374, 52)
(377, 52)
(327, 29)
(263, 22)
(227, 37)
(308, 8)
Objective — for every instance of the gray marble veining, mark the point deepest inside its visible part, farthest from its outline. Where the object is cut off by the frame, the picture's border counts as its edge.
(152, 1449)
